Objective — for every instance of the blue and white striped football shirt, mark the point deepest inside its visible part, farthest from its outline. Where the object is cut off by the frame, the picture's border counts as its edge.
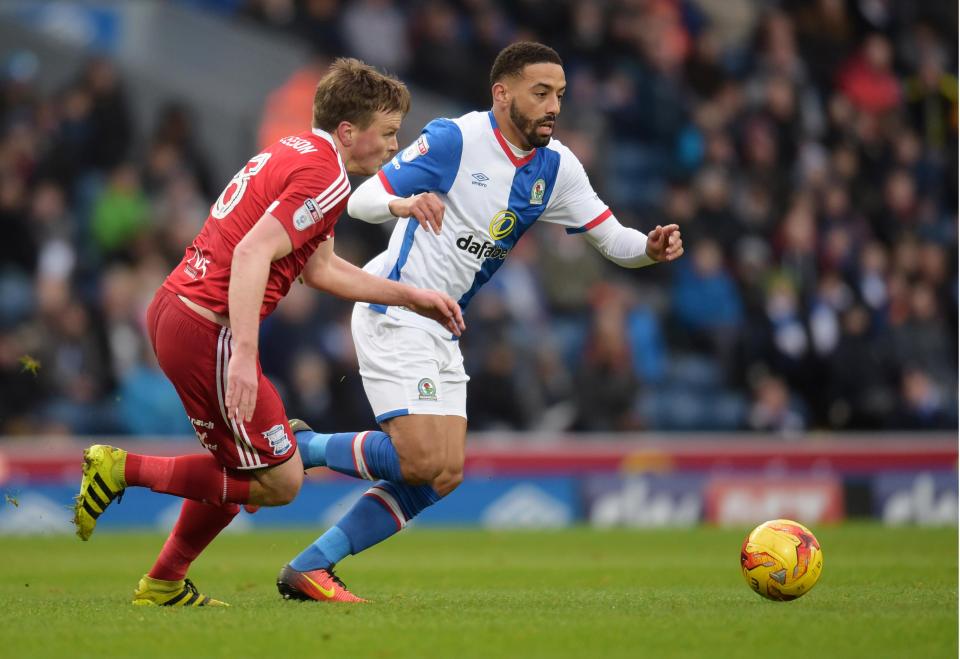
(492, 197)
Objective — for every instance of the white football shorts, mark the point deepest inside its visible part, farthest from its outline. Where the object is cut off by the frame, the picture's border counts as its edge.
(408, 369)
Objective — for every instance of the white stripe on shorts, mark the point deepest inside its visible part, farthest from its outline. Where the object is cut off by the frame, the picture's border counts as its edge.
(223, 359)
(240, 437)
(220, 387)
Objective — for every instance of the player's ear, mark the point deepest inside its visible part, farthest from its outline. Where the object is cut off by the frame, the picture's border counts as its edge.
(500, 93)
(346, 132)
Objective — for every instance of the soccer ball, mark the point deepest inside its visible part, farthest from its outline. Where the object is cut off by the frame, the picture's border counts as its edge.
(781, 560)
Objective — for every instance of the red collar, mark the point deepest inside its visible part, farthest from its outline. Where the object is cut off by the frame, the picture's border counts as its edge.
(517, 162)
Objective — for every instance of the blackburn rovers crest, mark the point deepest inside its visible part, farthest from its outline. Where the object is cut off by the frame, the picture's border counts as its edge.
(537, 191)
(427, 389)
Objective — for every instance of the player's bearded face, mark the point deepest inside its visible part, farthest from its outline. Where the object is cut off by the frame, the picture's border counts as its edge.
(529, 126)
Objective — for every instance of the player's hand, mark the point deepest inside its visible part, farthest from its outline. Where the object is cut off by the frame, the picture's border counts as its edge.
(426, 208)
(665, 243)
(438, 306)
(241, 387)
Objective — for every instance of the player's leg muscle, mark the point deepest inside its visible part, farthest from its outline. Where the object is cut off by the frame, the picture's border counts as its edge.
(419, 442)
(455, 439)
(279, 485)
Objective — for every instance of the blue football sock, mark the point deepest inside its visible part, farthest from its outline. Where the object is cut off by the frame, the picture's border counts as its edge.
(313, 448)
(383, 510)
(368, 455)
(324, 552)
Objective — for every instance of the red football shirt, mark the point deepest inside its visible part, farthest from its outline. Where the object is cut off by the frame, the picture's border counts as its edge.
(301, 181)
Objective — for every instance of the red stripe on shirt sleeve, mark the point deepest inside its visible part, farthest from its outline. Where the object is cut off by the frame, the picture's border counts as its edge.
(599, 219)
(386, 183)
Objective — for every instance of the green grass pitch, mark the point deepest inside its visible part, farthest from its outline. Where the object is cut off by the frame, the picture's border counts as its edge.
(448, 593)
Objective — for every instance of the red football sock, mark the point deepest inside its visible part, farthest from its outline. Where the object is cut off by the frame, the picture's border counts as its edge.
(197, 526)
(197, 477)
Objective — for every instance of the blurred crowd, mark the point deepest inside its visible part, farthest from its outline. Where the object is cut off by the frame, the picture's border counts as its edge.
(808, 151)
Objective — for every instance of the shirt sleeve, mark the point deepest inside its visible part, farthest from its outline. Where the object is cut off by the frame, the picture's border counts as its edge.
(430, 164)
(575, 205)
(308, 206)
(624, 246)
(371, 202)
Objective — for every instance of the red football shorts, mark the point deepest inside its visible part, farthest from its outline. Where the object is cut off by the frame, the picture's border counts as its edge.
(194, 353)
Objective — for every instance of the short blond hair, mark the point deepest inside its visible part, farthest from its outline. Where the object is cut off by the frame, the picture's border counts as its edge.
(353, 91)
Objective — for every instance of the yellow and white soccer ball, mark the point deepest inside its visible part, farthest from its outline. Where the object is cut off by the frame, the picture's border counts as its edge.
(781, 560)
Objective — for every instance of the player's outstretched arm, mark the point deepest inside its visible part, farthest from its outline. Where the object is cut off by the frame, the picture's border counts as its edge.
(327, 272)
(630, 248)
(371, 202)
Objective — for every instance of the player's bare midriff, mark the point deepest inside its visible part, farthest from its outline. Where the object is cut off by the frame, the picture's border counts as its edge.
(204, 312)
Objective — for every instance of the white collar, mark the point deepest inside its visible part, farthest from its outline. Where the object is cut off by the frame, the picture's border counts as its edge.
(517, 151)
(319, 132)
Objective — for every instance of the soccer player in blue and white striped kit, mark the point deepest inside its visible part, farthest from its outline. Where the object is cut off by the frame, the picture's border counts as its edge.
(465, 192)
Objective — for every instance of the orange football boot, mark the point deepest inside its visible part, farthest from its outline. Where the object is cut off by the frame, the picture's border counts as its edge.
(319, 585)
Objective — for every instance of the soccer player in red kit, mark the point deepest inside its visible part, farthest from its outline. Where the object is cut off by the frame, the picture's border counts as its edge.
(274, 222)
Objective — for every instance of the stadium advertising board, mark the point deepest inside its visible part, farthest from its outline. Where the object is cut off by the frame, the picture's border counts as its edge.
(516, 485)
(749, 499)
(928, 498)
(648, 500)
(491, 503)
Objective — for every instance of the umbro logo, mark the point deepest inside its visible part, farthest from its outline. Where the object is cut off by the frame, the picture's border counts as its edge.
(480, 179)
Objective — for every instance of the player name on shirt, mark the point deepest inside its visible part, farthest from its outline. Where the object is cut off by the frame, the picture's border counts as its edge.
(299, 144)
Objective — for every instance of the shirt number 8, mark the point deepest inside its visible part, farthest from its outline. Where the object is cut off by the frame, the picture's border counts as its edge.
(232, 194)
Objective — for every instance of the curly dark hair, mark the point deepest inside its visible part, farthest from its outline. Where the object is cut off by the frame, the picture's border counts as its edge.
(512, 59)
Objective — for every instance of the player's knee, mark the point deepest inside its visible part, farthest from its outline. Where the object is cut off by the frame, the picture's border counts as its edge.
(284, 494)
(448, 481)
(282, 491)
(420, 468)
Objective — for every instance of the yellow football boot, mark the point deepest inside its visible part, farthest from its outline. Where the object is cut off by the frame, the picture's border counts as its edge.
(157, 592)
(102, 483)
